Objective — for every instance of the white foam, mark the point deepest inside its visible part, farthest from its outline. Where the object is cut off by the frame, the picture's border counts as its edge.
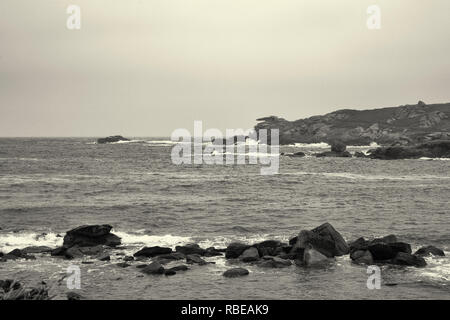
(167, 240)
(19, 240)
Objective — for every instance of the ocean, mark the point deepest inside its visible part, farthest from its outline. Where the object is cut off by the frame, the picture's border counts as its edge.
(51, 185)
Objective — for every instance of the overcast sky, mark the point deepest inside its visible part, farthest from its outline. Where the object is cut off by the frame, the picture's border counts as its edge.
(145, 68)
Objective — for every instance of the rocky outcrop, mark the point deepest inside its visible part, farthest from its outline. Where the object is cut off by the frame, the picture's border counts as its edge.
(432, 149)
(111, 139)
(235, 249)
(408, 124)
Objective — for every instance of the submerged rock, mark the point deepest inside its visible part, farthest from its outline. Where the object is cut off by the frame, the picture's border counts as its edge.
(235, 272)
(37, 249)
(429, 250)
(274, 262)
(111, 139)
(17, 254)
(153, 268)
(432, 149)
(179, 268)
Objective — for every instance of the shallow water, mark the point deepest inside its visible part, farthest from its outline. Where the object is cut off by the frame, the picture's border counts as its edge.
(52, 185)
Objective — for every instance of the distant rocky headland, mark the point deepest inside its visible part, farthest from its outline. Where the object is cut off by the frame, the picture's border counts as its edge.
(403, 125)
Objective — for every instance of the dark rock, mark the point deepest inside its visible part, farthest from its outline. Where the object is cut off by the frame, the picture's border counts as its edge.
(9, 284)
(179, 268)
(269, 247)
(74, 296)
(249, 255)
(91, 235)
(400, 247)
(37, 249)
(359, 244)
(235, 272)
(293, 241)
(104, 257)
(170, 272)
(59, 251)
(191, 248)
(362, 257)
(73, 253)
(172, 256)
(128, 258)
(387, 239)
(93, 251)
(338, 147)
(313, 257)
(327, 231)
(431, 149)
(17, 254)
(111, 139)
(344, 154)
(297, 154)
(141, 266)
(406, 259)
(359, 154)
(235, 249)
(381, 251)
(123, 264)
(152, 251)
(324, 239)
(195, 258)
(429, 250)
(275, 262)
(213, 252)
(153, 268)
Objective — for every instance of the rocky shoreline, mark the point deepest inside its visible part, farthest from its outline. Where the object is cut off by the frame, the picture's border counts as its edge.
(316, 248)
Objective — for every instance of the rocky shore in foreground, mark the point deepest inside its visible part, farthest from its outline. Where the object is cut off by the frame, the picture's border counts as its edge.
(316, 248)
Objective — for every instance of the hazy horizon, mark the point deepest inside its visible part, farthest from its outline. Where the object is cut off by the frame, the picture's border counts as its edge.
(144, 68)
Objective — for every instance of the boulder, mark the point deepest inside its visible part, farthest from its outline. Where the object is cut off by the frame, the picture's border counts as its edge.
(172, 256)
(235, 249)
(324, 239)
(313, 257)
(111, 139)
(153, 268)
(150, 252)
(195, 258)
(235, 272)
(191, 248)
(362, 257)
(91, 235)
(386, 239)
(327, 231)
(249, 255)
(359, 154)
(406, 259)
(381, 251)
(308, 238)
(298, 154)
(429, 250)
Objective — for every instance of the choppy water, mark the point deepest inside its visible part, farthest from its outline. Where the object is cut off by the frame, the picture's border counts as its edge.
(52, 185)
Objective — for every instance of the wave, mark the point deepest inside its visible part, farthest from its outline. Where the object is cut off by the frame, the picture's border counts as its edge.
(324, 145)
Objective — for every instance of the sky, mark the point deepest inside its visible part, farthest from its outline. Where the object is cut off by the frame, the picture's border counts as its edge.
(147, 67)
